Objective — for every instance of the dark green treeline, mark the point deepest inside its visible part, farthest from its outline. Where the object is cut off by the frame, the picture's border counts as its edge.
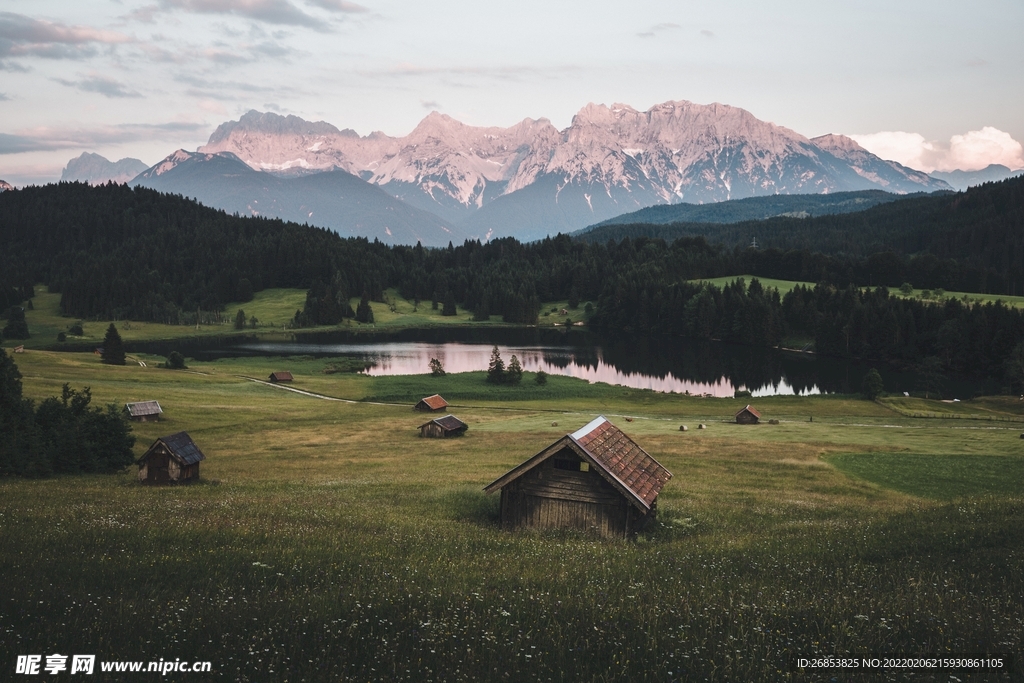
(115, 252)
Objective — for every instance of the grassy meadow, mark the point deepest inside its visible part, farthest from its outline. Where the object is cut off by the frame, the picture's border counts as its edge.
(274, 310)
(328, 542)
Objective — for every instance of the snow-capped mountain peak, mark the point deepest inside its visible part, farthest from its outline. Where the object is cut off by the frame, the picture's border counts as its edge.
(610, 160)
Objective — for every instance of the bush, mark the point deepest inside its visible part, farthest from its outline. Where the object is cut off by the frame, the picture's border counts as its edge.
(76, 330)
(62, 337)
(872, 387)
(175, 361)
(906, 289)
(541, 379)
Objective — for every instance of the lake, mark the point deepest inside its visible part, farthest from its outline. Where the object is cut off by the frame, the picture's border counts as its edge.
(665, 365)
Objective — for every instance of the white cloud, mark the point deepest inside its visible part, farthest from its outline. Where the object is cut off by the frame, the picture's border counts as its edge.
(971, 151)
(979, 148)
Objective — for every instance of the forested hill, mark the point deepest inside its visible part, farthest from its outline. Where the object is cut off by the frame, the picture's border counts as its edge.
(982, 229)
(114, 252)
(754, 208)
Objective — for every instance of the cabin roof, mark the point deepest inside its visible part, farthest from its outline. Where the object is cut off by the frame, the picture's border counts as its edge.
(435, 402)
(180, 446)
(448, 423)
(143, 408)
(751, 410)
(281, 375)
(619, 459)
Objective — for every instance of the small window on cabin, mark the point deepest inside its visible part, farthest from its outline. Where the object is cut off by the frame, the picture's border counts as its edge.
(584, 467)
(570, 465)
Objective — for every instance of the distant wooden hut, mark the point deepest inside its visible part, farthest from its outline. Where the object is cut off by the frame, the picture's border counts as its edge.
(281, 376)
(171, 459)
(431, 404)
(748, 416)
(595, 479)
(20, 348)
(443, 427)
(143, 411)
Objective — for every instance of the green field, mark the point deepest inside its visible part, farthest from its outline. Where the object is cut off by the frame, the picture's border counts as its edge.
(784, 286)
(273, 308)
(328, 542)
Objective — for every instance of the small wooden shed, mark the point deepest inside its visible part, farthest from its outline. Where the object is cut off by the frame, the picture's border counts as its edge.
(281, 376)
(443, 427)
(431, 404)
(143, 411)
(171, 459)
(748, 416)
(596, 479)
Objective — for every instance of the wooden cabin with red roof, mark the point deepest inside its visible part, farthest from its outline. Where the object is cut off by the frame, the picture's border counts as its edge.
(431, 404)
(171, 459)
(281, 376)
(596, 479)
(748, 416)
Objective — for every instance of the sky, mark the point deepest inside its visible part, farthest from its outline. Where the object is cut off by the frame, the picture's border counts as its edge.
(935, 85)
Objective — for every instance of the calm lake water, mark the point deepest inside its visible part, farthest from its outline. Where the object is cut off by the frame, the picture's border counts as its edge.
(672, 365)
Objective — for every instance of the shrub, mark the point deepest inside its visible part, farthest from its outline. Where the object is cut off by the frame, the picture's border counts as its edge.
(541, 379)
(872, 387)
(175, 361)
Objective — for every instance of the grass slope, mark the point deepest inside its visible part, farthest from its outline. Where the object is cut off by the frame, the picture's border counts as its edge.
(328, 542)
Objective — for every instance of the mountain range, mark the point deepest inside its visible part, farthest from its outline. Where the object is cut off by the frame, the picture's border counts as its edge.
(451, 180)
(961, 180)
(95, 169)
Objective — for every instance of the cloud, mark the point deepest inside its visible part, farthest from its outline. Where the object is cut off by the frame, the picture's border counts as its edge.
(107, 87)
(4, 97)
(979, 148)
(971, 151)
(658, 28)
(706, 33)
(338, 6)
(22, 36)
(48, 139)
(268, 11)
(430, 104)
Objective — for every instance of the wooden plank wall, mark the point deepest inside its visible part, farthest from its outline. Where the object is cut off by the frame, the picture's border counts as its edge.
(551, 498)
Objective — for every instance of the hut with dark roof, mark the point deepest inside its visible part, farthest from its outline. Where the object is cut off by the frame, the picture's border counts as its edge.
(281, 376)
(143, 411)
(748, 416)
(443, 427)
(431, 404)
(171, 459)
(596, 479)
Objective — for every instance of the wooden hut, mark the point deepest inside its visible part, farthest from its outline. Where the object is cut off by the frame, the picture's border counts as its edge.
(143, 411)
(281, 376)
(431, 404)
(596, 479)
(171, 459)
(443, 427)
(748, 416)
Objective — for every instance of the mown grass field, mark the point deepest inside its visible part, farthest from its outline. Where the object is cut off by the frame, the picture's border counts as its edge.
(327, 542)
(274, 310)
(784, 286)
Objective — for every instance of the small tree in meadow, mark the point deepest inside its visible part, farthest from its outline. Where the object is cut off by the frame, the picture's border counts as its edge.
(113, 347)
(240, 320)
(514, 372)
(872, 386)
(175, 361)
(436, 368)
(496, 368)
(364, 313)
(541, 378)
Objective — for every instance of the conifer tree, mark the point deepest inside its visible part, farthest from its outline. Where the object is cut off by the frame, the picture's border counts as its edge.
(113, 347)
(514, 373)
(496, 368)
